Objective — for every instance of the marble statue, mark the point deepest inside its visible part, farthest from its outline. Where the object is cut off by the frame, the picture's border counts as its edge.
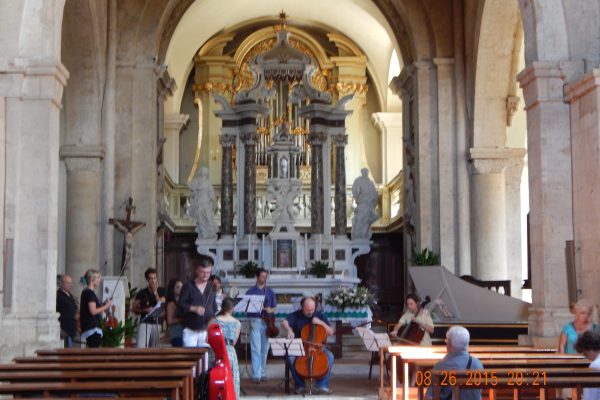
(283, 195)
(366, 196)
(203, 205)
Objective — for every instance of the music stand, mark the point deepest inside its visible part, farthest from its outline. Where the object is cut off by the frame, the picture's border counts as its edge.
(376, 343)
(287, 348)
(156, 312)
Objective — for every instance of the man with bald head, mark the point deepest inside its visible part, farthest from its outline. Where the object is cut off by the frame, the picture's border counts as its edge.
(293, 325)
(66, 307)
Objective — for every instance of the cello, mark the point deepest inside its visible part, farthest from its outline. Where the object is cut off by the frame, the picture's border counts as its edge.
(314, 364)
(413, 332)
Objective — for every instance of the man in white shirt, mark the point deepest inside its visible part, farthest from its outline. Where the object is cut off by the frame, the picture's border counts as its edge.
(589, 345)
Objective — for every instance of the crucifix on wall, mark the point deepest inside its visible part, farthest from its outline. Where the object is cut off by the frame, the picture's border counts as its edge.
(128, 228)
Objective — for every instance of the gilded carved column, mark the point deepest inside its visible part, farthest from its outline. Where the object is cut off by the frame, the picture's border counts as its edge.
(316, 184)
(340, 142)
(249, 137)
(227, 142)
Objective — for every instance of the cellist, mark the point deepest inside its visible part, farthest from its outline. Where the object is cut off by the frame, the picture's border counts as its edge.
(293, 325)
(417, 314)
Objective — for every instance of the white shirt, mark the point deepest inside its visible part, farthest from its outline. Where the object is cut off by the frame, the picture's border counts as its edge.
(593, 393)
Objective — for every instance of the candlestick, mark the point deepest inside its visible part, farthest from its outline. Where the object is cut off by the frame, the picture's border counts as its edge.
(318, 256)
(250, 257)
(332, 255)
(235, 255)
(306, 248)
(263, 251)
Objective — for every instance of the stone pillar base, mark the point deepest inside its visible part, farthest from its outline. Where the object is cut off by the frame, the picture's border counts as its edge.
(23, 335)
(545, 325)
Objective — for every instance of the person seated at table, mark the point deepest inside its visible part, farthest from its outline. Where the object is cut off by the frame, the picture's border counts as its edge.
(457, 358)
(417, 314)
(293, 325)
(589, 345)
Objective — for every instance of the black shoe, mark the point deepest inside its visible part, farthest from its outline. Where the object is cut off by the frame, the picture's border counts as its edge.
(263, 378)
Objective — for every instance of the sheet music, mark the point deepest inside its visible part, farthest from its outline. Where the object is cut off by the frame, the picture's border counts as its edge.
(373, 341)
(294, 347)
(250, 303)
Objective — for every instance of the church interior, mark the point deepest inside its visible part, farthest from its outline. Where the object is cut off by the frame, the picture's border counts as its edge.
(400, 144)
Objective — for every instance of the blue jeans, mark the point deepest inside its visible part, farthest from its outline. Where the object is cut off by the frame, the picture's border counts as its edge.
(259, 346)
(320, 383)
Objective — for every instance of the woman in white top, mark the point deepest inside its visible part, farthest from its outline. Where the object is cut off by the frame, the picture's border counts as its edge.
(589, 344)
(417, 314)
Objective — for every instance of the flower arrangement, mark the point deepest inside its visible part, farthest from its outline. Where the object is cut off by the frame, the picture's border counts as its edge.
(349, 297)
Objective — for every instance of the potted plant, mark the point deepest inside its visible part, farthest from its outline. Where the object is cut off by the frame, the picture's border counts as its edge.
(319, 269)
(249, 269)
(115, 336)
(425, 257)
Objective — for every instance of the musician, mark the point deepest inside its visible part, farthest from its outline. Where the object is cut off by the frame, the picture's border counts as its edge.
(145, 300)
(91, 309)
(259, 342)
(197, 302)
(293, 325)
(66, 307)
(415, 313)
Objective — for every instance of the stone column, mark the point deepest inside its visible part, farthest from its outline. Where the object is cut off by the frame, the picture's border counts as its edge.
(249, 137)
(340, 142)
(448, 198)
(515, 222)
(174, 123)
(584, 96)
(316, 140)
(83, 211)
(32, 92)
(418, 88)
(227, 142)
(550, 188)
(488, 214)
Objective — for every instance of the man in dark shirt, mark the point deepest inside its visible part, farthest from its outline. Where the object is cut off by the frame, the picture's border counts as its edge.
(66, 306)
(144, 302)
(197, 302)
(293, 325)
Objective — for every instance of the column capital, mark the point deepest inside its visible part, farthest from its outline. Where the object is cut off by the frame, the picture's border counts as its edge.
(443, 62)
(403, 84)
(249, 137)
(226, 140)
(543, 81)
(317, 138)
(37, 79)
(493, 160)
(81, 151)
(385, 120)
(176, 122)
(580, 87)
(340, 140)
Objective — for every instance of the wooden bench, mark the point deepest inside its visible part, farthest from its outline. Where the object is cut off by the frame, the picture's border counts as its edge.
(118, 364)
(411, 355)
(171, 388)
(517, 380)
(114, 374)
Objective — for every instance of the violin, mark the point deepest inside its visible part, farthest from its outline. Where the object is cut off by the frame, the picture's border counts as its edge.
(111, 321)
(314, 364)
(272, 330)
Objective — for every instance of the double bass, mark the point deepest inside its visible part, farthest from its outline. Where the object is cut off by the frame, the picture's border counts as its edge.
(413, 332)
(314, 364)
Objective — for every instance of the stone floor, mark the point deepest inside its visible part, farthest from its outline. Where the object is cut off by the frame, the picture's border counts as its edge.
(349, 381)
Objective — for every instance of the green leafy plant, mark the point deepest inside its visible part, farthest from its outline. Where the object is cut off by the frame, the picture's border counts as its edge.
(425, 257)
(320, 269)
(349, 297)
(113, 337)
(249, 269)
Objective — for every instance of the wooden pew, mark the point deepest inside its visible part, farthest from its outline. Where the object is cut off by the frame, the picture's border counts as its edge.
(410, 355)
(113, 375)
(171, 388)
(119, 364)
(518, 380)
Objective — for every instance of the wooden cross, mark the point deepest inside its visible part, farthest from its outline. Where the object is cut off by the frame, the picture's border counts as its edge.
(128, 228)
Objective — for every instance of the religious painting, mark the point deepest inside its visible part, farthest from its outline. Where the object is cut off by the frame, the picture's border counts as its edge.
(284, 253)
